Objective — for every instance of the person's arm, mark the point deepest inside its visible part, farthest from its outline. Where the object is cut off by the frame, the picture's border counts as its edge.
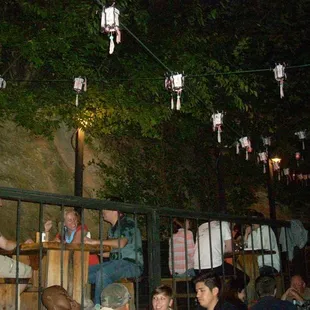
(114, 243)
(6, 244)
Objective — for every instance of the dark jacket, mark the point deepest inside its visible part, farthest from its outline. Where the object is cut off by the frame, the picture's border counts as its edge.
(272, 303)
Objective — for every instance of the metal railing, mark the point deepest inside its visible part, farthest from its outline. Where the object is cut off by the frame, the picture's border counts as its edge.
(154, 222)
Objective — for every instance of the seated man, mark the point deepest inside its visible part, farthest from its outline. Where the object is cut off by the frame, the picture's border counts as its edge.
(162, 298)
(8, 265)
(115, 296)
(126, 259)
(265, 287)
(262, 236)
(214, 242)
(297, 291)
(209, 288)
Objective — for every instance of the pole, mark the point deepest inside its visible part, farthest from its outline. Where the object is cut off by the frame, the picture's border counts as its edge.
(270, 188)
(78, 172)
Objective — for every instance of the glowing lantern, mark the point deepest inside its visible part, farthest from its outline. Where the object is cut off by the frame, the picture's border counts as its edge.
(280, 76)
(175, 83)
(110, 25)
(80, 84)
(246, 144)
(302, 136)
(217, 124)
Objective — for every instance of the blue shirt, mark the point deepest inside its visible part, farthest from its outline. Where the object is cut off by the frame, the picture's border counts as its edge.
(132, 251)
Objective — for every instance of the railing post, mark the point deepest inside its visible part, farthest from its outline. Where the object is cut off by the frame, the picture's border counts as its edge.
(153, 249)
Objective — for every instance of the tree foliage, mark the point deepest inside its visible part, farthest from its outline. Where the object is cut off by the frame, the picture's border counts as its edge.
(161, 156)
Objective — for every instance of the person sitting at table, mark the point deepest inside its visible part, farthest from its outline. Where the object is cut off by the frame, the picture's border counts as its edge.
(258, 237)
(265, 287)
(125, 258)
(115, 296)
(72, 232)
(8, 265)
(214, 242)
(181, 249)
(297, 291)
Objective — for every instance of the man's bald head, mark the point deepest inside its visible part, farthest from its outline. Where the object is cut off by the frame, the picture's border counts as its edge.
(56, 298)
(298, 283)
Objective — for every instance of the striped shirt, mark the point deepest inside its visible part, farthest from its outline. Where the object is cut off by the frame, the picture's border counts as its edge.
(179, 249)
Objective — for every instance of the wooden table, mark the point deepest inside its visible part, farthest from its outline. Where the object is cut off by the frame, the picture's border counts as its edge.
(62, 264)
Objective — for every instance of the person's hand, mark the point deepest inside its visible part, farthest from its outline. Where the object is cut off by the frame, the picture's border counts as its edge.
(89, 240)
(294, 294)
(29, 241)
(48, 225)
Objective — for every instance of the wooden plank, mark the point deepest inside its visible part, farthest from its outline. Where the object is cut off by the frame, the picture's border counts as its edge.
(29, 300)
(7, 296)
(77, 275)
(53, 265)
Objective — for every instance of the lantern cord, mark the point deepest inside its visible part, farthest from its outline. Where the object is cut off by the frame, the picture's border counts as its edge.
(244, 71)
(145, 47)
(211, 109)
(151, 79)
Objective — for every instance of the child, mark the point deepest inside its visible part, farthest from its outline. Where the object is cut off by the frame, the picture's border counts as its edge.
(162, 298)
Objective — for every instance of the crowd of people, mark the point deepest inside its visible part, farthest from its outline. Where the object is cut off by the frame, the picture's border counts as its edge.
(219, 284)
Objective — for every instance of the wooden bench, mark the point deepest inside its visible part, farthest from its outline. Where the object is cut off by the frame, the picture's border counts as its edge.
(7, 297)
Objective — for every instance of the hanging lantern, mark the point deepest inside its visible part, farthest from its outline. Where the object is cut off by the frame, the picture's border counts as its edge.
(286, 172)
(262, 157)
(2, 83)
(80, 84)
(302, 136)
(217, 124)
(266, 142)
(280, 76)
(175, 83)
(246, 144)
(110, 25)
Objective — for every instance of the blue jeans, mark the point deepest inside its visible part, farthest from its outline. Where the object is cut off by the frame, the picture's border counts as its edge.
(109, 272)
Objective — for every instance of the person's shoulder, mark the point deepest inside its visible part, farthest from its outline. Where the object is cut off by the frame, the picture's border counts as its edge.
(228, 306)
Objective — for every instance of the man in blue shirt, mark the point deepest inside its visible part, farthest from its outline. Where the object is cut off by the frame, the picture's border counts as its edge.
(125, 258)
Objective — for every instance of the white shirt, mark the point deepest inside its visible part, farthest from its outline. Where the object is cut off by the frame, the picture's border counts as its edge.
(203, 246)
(265, 260)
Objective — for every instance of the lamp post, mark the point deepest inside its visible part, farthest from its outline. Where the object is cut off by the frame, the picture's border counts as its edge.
(78, 171)
(273, 164)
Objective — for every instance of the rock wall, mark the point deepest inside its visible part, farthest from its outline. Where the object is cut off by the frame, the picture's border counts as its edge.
(36, 163)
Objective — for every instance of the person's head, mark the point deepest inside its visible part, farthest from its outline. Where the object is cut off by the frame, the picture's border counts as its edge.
(56, 298)
(111, 216)
(162, 297)
(298, 284)
(71, 220)
(115, 296)
(208, 289)
(265, 286)
(256, 215)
